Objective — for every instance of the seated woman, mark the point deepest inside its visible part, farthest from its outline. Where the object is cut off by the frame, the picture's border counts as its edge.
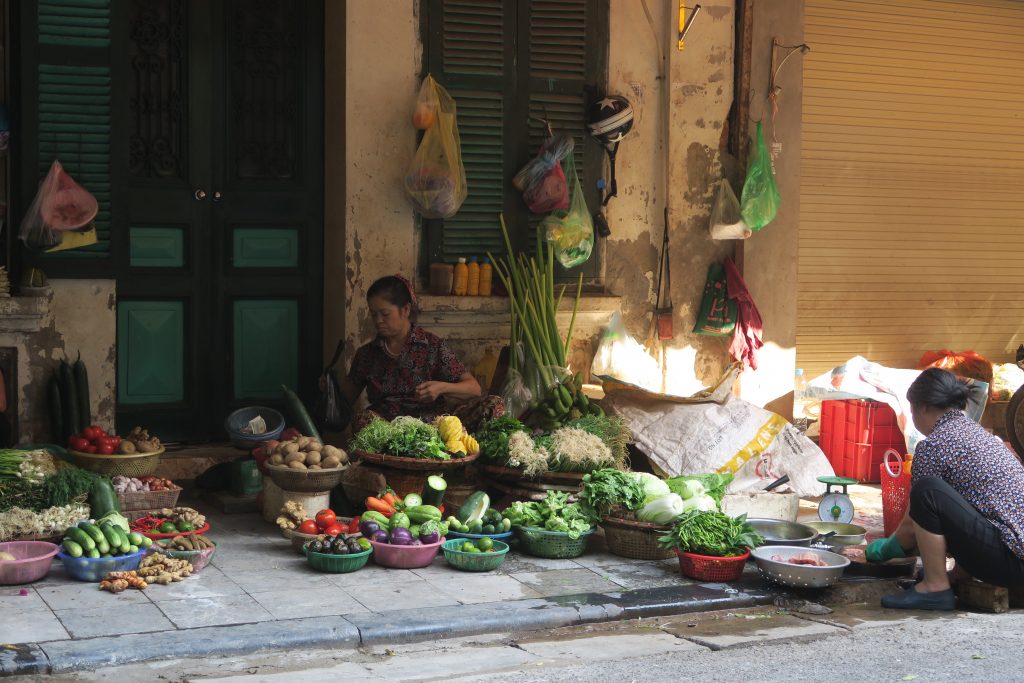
(966, 499)
(409, 371)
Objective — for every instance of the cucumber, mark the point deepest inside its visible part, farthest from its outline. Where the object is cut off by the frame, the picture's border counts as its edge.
(93, 531)
(103, 547)
(146, 542)
(412, 500)
(57, 430)
(110, 533)
(433, 490)
(474, 508)
(133, 549)
(506, 525)
(300, 416)
(71, 548)
(135, 538)
(476, 527)
(122, 537)
(82, 389)
(81, 538)
(92, 553)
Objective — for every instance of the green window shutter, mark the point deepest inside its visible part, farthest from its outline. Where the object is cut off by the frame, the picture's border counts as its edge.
(508, 64)
(71, 106)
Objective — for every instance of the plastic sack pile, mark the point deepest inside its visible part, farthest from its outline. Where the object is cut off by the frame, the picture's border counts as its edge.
(436, 179)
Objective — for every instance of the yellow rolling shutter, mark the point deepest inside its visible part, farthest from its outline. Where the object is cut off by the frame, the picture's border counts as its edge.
(912, 191)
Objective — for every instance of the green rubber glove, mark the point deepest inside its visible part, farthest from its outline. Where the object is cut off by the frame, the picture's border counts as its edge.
(884, 549)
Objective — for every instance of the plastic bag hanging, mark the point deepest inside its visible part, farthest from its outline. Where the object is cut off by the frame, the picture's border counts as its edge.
(726, 221)
(436, 179)
(542, 180)
(60, 205)
(571, 232)
(760, 201)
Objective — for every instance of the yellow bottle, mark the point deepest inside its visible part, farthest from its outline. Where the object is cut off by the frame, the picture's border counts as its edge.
(485, 277)
(461, 278)
(473, 284)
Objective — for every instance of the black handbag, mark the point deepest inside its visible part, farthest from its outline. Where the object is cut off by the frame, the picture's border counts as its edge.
(333, 410)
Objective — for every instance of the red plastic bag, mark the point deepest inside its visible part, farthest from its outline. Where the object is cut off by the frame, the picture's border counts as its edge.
(60, 205)
(542, 180)
(963, 364)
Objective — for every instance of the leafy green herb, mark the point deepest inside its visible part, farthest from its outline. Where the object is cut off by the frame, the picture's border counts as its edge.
(67, 485)
(406, 437)
(21, 493)
(10, 462)
(606, 488)
(612, 430)
(711, 533)
(554, 513)
(493, 438)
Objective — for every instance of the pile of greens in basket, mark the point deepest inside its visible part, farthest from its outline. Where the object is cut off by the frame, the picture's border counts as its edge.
(554, 513)
(583, 445)
(404, 436)
(711, 533)
(607, 489)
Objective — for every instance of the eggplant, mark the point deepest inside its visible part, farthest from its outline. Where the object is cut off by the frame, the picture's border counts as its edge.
(432, 537)
(368, 527)
(400, 536)
(379, 536)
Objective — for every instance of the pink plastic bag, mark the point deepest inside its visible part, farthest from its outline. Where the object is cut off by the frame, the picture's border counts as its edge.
(542, 181)
(60, 204)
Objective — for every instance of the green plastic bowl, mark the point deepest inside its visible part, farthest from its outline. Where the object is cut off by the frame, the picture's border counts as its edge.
(474, 562)
(337, 564)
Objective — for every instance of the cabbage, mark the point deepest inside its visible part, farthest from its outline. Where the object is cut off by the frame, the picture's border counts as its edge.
(661, 510)
(653, 486)
(690, 489)
(701, 503)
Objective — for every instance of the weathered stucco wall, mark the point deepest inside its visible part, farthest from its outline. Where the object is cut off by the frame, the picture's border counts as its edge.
(771, 255)
(381, 234)
(71, 316)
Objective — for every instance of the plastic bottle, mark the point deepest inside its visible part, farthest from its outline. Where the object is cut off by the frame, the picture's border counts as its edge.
(485, 277)
(473, 283)
(803, 407)
(461, 278)
(442, 276)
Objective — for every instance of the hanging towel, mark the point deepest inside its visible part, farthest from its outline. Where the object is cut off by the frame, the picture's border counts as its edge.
(747, 338)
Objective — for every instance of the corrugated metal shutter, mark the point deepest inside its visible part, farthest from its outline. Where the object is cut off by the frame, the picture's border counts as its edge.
(912, 191)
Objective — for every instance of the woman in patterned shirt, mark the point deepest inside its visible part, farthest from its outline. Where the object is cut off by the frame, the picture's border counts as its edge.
(966, 499)
(406, 370)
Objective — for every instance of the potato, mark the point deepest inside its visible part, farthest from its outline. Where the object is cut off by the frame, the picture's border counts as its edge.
(297, 465)
(295, 457)
(302, 442)
(291, 448)
(314, 467)
(271, 445)
(332, 452)
(313, 458)
(314, 445)
(276, 459)
(329, 463)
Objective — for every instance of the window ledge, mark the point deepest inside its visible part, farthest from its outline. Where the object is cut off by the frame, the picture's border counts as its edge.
(25, 313)
(482, 317)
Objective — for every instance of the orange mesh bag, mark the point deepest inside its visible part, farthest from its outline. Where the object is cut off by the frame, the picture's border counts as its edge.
(963, 364)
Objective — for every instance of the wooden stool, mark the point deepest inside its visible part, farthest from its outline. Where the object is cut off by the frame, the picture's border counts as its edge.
(983, 596)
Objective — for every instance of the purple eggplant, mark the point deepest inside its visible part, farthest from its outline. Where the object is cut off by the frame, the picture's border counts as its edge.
(401, 536)
(368, 527)
(432, 537)
(379, 536)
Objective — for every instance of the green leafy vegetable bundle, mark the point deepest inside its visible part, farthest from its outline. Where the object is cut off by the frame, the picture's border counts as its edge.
(493, 438)
(406, 437)
(554, 513)
(608, 488)
(713, 483)
(711, 533)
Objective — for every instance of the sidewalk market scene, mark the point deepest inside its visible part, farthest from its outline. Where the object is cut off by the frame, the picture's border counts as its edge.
(561, 332)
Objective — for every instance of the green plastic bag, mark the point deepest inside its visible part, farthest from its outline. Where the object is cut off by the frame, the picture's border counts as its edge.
(717, 315)
(760, 201)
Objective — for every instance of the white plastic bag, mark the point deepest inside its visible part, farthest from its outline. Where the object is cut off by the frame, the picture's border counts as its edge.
(726, 221)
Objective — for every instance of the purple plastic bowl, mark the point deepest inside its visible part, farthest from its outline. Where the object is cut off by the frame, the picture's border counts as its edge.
(405, 556)
(32, 563)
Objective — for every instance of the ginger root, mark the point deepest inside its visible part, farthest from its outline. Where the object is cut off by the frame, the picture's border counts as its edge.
(115, 586)
(162, 569)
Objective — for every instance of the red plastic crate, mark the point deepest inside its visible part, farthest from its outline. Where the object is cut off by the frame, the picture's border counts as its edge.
(855, 434)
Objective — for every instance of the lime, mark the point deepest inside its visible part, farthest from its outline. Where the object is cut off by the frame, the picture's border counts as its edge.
(468, 547)
(474, 549)
(485, 543)
(364, 544)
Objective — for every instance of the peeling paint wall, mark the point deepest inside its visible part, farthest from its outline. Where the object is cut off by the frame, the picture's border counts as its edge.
(381, 231)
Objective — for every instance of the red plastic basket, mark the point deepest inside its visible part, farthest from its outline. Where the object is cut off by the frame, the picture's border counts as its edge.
(708, 568)
(895, 490)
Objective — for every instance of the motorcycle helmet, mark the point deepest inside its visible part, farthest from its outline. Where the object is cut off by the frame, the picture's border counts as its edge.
(611, 118)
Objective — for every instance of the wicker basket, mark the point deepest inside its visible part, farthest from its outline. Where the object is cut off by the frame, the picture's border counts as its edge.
(635, 540)
(148, 500)
(138, 465)
(707, 568)
(555, 545)
(305, 481)
(428, 465)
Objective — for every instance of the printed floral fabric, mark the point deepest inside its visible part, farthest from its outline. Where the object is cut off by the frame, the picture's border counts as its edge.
(391, 382)
(980, 468)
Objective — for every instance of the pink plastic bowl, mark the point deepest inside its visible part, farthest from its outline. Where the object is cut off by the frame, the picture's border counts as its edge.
(405, 556)
(32, 563)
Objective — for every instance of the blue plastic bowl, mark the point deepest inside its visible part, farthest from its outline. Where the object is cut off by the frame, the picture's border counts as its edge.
(95, 568)
(240, 418)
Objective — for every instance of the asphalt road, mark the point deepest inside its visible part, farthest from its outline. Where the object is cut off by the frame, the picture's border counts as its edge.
(765, 645)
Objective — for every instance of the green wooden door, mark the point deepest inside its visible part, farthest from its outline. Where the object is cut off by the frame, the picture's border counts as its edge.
(219, 245)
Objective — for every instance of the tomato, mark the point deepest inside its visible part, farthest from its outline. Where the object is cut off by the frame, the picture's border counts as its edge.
(89, 449)
(106, 449)
(353, 526)
(79, 443)
(335, 530)
(325, 518)
(308, 527)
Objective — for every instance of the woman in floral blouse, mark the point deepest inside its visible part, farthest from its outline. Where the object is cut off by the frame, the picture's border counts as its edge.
(966, 499)
(406, 370)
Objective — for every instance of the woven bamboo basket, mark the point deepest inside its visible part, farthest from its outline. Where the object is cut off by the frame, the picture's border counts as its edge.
(137, 465)
(305, 481)
(148, 500)
(635, 540)
(395, 462)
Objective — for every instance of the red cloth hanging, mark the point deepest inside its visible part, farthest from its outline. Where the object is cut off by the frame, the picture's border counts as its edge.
(748, 335)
